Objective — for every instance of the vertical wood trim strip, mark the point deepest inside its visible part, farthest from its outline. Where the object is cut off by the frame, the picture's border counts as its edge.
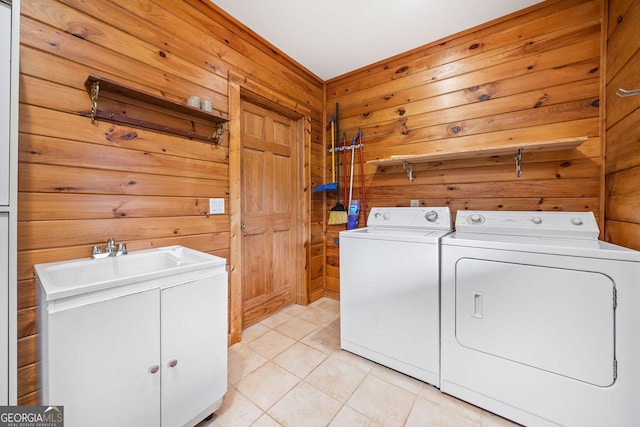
(304, 208)
(325, 214)
(604, 29)
(235, 209)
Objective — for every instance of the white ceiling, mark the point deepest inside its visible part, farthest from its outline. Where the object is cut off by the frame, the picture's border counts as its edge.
(333, 37)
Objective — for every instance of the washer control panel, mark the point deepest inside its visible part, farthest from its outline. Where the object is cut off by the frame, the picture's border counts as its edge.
(576, 225)
(432, 218)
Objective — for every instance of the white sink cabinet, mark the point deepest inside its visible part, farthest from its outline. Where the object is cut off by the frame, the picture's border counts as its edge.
(150, 352)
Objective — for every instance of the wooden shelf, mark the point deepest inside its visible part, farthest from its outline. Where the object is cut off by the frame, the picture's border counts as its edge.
(538, 146)
(108, 88)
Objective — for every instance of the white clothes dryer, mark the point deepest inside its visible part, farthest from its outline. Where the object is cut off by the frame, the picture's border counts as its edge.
(389, 289)
(540, 319)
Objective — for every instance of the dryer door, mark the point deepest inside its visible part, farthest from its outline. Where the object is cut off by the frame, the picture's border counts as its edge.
(555, 319)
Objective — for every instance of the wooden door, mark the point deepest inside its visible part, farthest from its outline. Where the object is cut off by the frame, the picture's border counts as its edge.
(268, 175)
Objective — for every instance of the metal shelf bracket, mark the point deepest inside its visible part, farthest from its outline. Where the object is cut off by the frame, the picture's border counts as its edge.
(408, 168)
(217, 137)
(518, 161)
(95, 91)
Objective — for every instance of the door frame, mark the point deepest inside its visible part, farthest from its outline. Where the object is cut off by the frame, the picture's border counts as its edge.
(244, 88)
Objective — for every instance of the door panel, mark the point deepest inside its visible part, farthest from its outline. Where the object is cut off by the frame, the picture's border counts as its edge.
(194, 336)
(555, 319)
(4, 305)
(268, 212)
(89, 350)
(254, 170)
(282, 176)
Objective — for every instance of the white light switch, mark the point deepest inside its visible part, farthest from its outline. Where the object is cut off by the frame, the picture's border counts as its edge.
(216, 206)
(415, 203)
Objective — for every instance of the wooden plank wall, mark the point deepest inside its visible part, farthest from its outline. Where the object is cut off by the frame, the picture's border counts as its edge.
(534, 75)
(80, 184)
(623, 125)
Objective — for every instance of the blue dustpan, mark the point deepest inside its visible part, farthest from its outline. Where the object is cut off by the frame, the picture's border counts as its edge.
(333, 186)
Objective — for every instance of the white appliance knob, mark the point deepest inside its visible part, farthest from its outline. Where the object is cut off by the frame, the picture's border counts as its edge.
(431, 216)
(536, 220)
(476, 219)
(576, 221)
(377, 215)
(386, 215)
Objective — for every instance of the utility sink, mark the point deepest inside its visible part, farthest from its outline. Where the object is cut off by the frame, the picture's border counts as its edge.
(69, 278)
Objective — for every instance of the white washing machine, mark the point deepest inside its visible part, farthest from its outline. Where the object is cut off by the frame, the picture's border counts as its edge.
(540, 320)
(389, 289)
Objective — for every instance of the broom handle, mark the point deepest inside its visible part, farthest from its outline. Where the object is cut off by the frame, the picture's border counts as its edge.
(353, 147)
(333, 151)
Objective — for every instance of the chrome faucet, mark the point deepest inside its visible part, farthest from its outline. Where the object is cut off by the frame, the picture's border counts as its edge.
(110, 250)
(111, 245)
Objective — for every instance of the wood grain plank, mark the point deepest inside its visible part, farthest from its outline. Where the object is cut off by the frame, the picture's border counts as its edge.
(578, 188)
(617, 10)
(62, 179)
(27, 378)
(625, 234)
(567, 204)
(624, 41)
(623, 195)
(44, 150)
(48, 206)
(623, 143)
(50, 234)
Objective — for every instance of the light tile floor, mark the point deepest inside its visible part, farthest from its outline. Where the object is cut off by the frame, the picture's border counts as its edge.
(289, 370)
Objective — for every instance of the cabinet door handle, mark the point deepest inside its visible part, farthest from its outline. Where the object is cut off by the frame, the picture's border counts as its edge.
(173, 363)
(154, 369)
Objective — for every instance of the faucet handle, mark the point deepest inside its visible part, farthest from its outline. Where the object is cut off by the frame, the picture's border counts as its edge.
(122, 249)
(96, 250)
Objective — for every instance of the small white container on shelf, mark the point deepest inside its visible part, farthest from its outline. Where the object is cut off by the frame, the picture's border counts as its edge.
(206, 105)
(194, 101)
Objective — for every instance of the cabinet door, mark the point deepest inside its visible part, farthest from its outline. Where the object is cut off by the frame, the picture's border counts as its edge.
(4, 305)
(100, 362)
(194, 335)
(5, 100)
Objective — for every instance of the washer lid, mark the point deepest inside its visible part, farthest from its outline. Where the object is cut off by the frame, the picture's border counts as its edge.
(572, 225)
(427, 218)
(399, 234)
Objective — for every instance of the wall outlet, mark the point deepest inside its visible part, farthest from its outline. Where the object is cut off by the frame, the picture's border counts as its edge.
(216, 206)
(415, 203)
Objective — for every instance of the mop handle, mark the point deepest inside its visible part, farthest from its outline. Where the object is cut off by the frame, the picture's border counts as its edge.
(333, 150)
(364, 200)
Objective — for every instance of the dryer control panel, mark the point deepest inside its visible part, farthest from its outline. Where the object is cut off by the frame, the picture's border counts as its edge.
(431, 218)
(573, 225)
